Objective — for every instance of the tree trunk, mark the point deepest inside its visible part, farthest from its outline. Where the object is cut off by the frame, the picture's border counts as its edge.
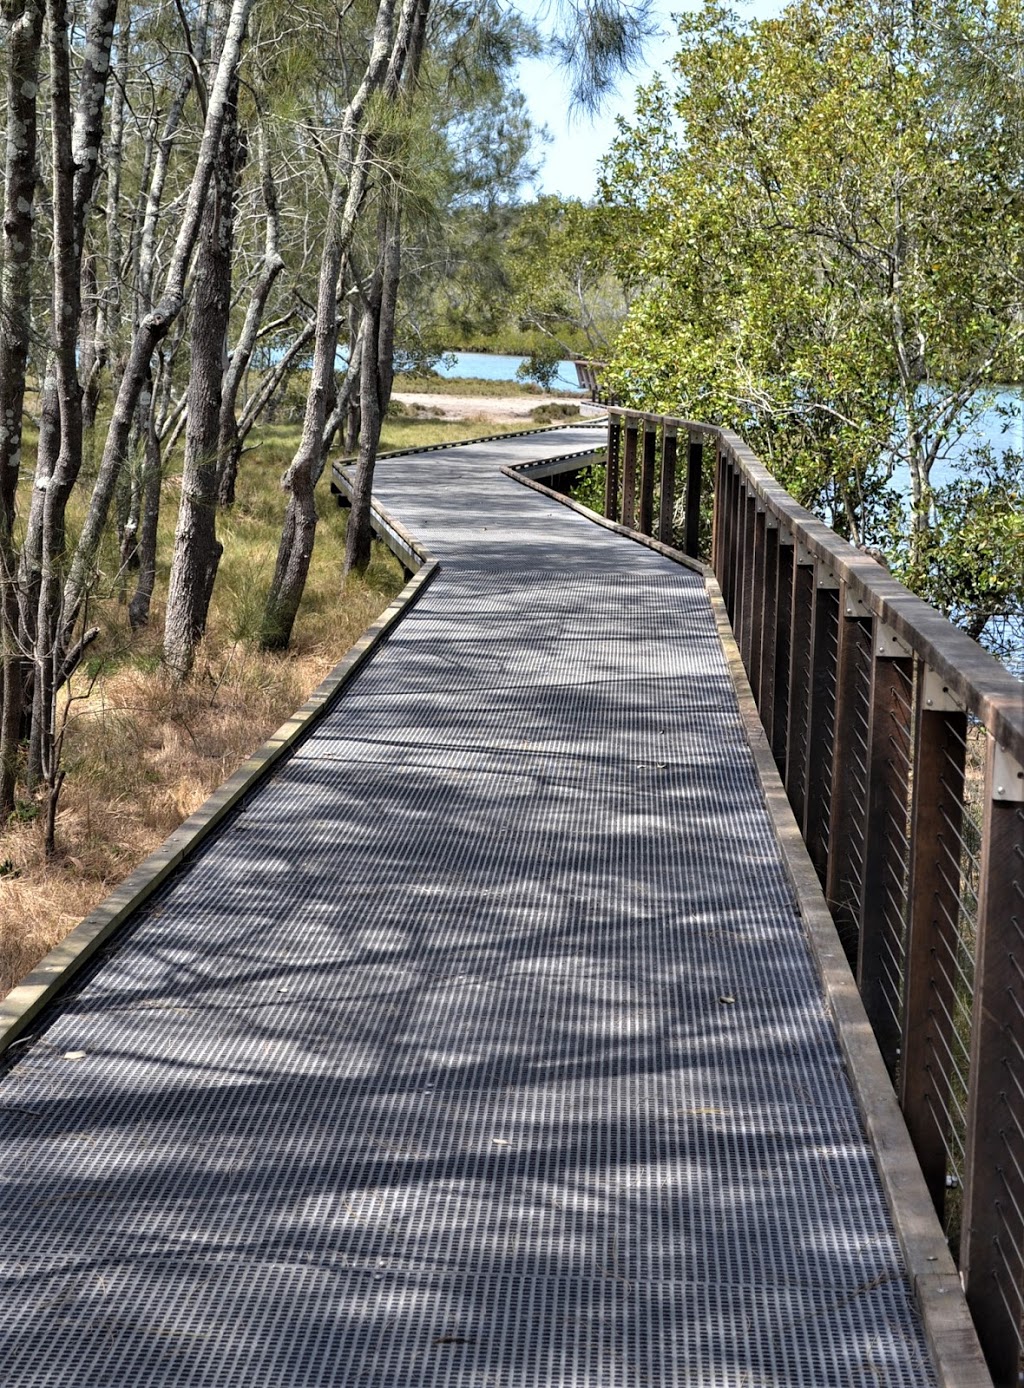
(23, 31)
(197, 550)
(378, 334)
(149, 514)
(376, 378)
(389, 50)
(62, 392)
(155, 325)
(229, 442)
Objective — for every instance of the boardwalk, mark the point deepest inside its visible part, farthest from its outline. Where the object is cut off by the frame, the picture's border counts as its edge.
(482, 1048)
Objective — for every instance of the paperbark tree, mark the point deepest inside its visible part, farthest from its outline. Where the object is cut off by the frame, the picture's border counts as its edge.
(376, 373)
(230, 435)
(389, 50)
(23, 21)
(156, 323)
(197, 550)
(75, 165)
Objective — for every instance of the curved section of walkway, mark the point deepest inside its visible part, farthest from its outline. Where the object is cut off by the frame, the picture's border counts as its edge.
(482, 1047)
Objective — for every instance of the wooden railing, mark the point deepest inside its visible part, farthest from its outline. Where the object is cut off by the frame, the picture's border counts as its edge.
(901, 745)
(589, 375)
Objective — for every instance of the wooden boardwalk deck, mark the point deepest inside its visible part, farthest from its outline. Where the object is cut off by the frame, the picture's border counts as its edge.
(482, 1047)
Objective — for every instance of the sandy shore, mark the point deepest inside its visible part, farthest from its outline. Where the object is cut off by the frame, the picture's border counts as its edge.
(501, 408)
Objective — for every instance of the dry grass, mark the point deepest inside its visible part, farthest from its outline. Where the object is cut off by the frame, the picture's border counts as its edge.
(142, 753)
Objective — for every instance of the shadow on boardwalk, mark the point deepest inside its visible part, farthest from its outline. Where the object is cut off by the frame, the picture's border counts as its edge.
(482, 1047)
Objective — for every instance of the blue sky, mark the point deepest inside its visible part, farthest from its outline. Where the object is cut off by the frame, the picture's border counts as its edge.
(577, 144)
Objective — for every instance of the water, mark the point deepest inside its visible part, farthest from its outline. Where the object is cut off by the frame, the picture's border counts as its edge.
(1003, 433)
(493, 366)
(991, 427)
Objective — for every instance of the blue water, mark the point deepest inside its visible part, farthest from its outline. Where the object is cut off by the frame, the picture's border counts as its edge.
(1001, 426)
(492, 366)
(991, 427)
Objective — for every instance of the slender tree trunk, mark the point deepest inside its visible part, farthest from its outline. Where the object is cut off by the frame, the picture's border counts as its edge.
(378, 333)
(63, 392)
(89, 350)
(155, 325)
(197, 550)
(389, 50)
(22, 33)
(229, 443)
(376, 378)
(149, 509)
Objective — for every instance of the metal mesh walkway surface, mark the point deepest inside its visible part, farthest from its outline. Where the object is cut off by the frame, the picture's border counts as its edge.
(482, 1047)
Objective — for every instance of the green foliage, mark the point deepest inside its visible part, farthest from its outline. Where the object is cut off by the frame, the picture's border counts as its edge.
(589, 487)
(541, 366)
(971, 563)
(560, 284)
(825, 223)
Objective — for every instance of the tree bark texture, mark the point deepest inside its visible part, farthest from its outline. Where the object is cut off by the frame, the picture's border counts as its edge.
(155, 325)
(23, 21)
(389, 50)
(229, 444)
(149, 515)
(197, 550)
(376, 377)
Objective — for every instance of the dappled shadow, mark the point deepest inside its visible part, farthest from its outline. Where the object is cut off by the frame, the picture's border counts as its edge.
(481, 1047)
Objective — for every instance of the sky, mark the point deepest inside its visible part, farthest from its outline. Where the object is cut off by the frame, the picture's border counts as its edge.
(577, 143)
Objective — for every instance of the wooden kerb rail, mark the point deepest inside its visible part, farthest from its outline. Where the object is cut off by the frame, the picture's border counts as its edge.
(900, 742)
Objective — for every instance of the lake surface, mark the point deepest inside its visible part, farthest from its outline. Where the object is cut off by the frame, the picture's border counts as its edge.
(493, 366)
(992, 427)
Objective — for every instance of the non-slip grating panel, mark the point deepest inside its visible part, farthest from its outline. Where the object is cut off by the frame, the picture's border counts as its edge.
(481, 1047)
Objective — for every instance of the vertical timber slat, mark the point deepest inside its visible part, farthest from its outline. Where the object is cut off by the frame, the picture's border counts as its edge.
(769, 624)
(820, 729)
(717, 514)
(933, 908)
(798, 703)
(892, 671)
(783, 649)
(848, 811)
(629, 471)
(746, 606)
(667, 499)
(611, 481)
(992, 1239)
(647, 467)
(757, 604)
(694, 469)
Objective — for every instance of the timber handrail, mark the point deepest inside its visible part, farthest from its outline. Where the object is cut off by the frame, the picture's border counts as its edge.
(900, 742)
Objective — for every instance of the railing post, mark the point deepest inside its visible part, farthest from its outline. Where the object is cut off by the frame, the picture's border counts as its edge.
(783, 648)
(611, 480)
(878, 968)
(850, 755)
(717, 516)
(667, 497)
(745, 610)
(992, 1238)
(798, 703)
(933, 914)
(756, 622)
(769, 623)
(821, 717)
(647, 465)
(629, 471)
(694, 469)
(732, 543)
